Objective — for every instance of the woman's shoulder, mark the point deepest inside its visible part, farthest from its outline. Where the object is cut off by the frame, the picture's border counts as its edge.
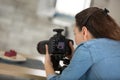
(99, 42)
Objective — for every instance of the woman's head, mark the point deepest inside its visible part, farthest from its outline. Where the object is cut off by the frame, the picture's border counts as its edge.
(96, 23)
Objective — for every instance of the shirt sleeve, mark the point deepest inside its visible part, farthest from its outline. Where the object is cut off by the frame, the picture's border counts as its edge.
(51, 76)
(78, 66)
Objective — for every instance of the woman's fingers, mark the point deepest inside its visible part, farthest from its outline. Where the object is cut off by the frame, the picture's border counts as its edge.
(46, 48)
(71, 46)
(69, 55)
(47, 56)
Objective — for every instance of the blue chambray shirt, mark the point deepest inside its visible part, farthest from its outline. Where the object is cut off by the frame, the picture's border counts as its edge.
(97, 59)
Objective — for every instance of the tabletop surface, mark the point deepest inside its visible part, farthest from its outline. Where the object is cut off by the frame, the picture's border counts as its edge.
(22, 71)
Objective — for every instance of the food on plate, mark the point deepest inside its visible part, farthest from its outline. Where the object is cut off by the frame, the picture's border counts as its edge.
(10, 53)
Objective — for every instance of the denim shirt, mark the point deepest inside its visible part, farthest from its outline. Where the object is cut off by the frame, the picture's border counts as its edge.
(97, 59)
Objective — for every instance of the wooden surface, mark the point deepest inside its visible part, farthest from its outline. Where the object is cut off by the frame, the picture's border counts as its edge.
(13, 70)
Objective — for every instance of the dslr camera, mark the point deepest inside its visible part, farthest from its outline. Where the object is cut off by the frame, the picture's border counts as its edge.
(58, 47)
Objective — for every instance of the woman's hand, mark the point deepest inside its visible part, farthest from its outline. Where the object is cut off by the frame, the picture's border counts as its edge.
(48, 64)
(47, 57)
(72, 50)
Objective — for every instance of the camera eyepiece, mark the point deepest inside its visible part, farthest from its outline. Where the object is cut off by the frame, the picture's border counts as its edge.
(59, 31)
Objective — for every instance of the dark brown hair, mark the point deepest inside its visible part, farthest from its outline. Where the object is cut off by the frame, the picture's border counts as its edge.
(98, 22)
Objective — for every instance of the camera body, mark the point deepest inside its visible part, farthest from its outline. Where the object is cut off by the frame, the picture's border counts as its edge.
(58, 46)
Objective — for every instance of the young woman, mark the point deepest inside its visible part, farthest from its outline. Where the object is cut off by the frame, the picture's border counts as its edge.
(97, 56)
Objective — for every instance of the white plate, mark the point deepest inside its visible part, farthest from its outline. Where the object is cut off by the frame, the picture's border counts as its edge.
(19, 58)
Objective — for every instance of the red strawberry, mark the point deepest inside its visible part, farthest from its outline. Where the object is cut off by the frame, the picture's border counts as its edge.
(10, 53)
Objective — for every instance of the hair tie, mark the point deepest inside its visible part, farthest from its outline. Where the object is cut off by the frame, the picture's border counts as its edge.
(106, 11)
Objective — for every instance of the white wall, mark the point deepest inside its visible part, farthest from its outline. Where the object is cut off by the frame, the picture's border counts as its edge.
(114, 7)
(20, 26)
(111, 5)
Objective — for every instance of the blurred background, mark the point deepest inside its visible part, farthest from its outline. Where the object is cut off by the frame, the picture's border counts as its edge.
(23, 23)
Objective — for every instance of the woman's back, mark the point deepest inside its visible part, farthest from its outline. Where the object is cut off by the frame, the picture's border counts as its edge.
(105, 54)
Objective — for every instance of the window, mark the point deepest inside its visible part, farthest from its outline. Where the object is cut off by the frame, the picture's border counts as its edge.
(65, 10)
(71, 7)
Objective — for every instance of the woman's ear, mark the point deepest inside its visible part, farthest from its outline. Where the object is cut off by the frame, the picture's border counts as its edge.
(85, 33)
